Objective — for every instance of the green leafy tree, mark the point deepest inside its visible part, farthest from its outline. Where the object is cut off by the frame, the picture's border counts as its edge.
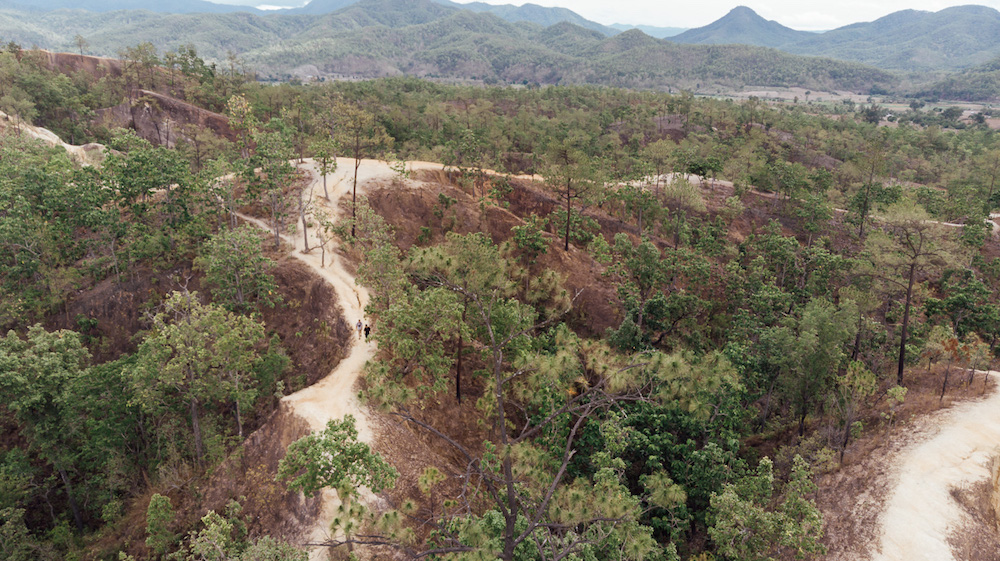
(223, 537)
(523, 468)
(34, 375)
(908, 246)
(325, 154)
(196, 355)
(17, 543)
(334, 458)
(810, 350)
(159, 518)
(573, 175)
(853, 387)
(237, 270)
(360, 133)
(750, 527)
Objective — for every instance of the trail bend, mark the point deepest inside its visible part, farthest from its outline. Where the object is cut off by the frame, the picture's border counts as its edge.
(920, 514)
(334, 395)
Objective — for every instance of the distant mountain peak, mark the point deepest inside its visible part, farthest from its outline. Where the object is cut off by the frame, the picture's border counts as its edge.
(744, 26)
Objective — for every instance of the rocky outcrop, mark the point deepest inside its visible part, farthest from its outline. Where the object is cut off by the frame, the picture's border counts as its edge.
(163, 120)
(69, 64)
(87, 155)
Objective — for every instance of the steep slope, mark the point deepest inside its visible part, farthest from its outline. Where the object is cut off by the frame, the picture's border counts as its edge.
(742, 26)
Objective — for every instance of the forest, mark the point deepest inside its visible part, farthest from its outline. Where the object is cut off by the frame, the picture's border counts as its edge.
(608, 323)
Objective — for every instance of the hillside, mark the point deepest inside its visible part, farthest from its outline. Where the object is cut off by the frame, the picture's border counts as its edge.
(911, 40)
(980, 83)
(533, 13)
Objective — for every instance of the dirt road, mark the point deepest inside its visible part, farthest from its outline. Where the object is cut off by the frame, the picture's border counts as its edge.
(921, 513)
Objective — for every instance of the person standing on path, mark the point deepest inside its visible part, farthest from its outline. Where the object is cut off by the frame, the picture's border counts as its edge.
(367, 331)
(358, 326)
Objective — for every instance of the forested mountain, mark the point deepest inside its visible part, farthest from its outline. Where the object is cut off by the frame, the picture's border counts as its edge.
(742, 25)
(910, 40)
(376, 38)
(952, 38)
(980, 83)
(533, 13)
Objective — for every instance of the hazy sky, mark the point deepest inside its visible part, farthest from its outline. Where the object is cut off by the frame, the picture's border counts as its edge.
(810, 15)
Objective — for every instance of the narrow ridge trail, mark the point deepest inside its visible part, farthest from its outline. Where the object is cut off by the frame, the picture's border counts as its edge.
(334, 396)
(921, 515)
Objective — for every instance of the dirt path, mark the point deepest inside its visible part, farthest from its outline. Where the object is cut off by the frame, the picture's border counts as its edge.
(334, 396)
(921, 514)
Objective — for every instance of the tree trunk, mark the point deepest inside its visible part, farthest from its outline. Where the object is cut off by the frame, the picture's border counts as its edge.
(305, 229)
(458, 359)
(846, 439)
(239, 419)
(568, 209)
(72, 500)
(857, 340)
(906, 321)
(947, 371)
(354, 193)
(196, 427)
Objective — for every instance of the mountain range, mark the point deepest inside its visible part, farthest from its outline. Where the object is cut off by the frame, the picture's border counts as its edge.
(909, 40)
(425, 38)
(525, 44)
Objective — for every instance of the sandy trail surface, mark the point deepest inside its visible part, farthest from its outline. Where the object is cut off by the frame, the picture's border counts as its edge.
(921, 514)
(334, 396)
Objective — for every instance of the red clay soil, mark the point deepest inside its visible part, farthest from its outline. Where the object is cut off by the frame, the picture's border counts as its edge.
(311, 326)
(408, 210)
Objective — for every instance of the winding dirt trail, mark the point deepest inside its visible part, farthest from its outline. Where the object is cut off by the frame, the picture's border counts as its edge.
(921, 514)
(334, 396)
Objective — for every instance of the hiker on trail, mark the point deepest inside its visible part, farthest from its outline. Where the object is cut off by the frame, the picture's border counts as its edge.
(358, 326)
(367, 331)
